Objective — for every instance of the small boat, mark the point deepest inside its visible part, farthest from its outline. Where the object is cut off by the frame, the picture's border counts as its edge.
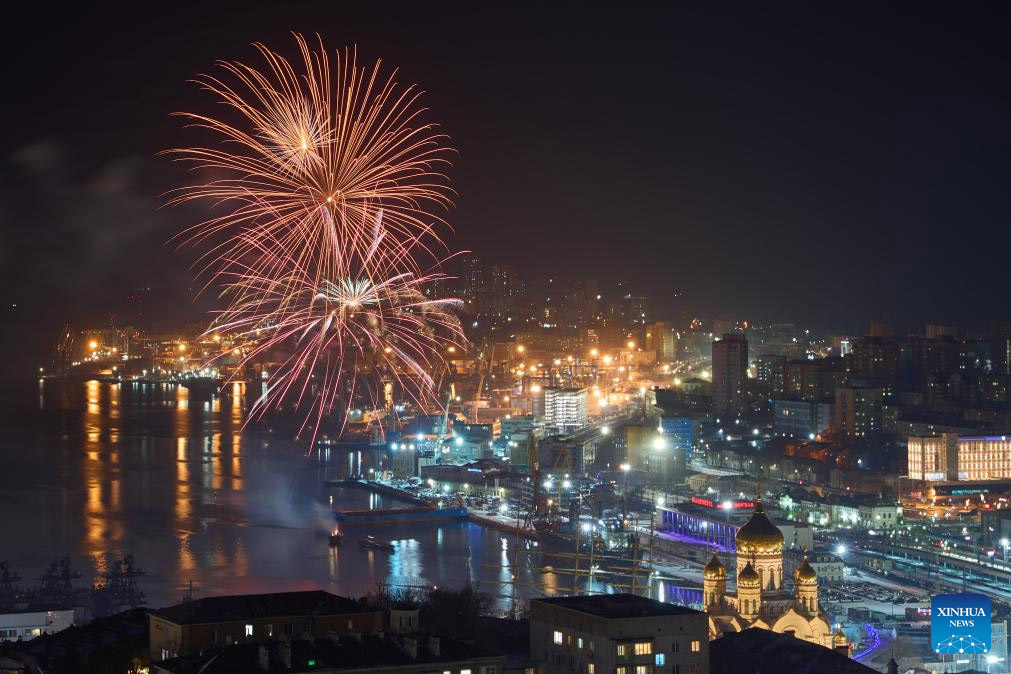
(335, 537)
(370, 543)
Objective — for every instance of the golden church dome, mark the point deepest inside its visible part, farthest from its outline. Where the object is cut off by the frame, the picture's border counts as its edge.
(759, 535)
(715, 569)
(805, 573)
(748, 577)
(839, 639)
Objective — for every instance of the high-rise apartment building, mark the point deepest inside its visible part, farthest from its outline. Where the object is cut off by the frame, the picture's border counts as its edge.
(660, 338)
(1000, 347)
(858, 409)
(730, 369)
(474, 282)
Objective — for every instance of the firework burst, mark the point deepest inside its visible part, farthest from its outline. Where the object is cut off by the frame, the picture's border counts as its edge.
(325, 191)
(311, 155)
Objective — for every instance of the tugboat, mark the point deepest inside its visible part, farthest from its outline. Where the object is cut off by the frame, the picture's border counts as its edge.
(370, 543)
(335, 537)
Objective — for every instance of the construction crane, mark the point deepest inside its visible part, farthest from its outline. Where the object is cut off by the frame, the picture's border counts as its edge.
(484, 368)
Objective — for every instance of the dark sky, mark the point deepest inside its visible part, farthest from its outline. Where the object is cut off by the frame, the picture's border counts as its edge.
(825, 165)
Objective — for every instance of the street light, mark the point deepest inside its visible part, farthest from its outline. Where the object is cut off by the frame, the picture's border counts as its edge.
(625, 467)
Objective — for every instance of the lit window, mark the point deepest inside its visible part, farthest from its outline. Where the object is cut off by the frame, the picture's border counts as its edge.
(464, 671)
(660, 659)
(642, 669)
(590, 668)
(621, 670)
(558, 637)
(249, 630)
(579, 642)
(643, 648)
(696, 646)
(623, 650)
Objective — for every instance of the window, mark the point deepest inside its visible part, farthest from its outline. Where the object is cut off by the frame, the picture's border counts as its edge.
(270, 630)
(590, 644)
(642, 669)
(579, 642)
(568, 639)
(696, 646)
(621, 670)
(623, 650)
(249, 630)
(590, 668)
(488, 670)
(644, 648)
(676, 646)
(464, 671)
(660, 660)
(288, 629)
(558, 637)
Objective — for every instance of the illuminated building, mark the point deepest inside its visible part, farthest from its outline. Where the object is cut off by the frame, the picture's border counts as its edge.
(801, 418)
(875, 357)
(760, 599)
(565, 408)
(858, 409)
(769, 372)
(616, 633)
(730, 369)
(947, 458)
(1000, 347)
(660, 339)
(682, 433)
(984, 458)
(206, 623)
(473, 277)
(933, 458)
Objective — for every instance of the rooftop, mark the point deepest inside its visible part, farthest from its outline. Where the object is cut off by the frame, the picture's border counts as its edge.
(764, 652)
(326, 655)
(616, 606)
(250, 606)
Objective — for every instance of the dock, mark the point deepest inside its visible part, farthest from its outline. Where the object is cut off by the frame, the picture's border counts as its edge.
(502, 524)
(420, 515)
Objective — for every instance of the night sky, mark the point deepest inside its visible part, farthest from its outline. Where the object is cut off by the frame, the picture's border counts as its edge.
(820, 165)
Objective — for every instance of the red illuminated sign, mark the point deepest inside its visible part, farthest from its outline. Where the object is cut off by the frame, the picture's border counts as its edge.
(734, 505)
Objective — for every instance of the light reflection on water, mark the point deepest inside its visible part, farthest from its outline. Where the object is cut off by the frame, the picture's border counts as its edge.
(167, 475)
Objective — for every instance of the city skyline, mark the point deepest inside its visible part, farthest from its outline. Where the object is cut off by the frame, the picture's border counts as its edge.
(741, 181)
(505, 339)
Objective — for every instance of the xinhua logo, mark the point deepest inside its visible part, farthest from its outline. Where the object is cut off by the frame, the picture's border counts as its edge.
(960, 623)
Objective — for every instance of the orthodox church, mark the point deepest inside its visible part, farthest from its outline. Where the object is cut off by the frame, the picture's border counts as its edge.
(761, 600)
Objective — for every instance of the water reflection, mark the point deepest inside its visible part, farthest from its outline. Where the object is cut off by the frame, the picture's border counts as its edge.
(158, 471)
